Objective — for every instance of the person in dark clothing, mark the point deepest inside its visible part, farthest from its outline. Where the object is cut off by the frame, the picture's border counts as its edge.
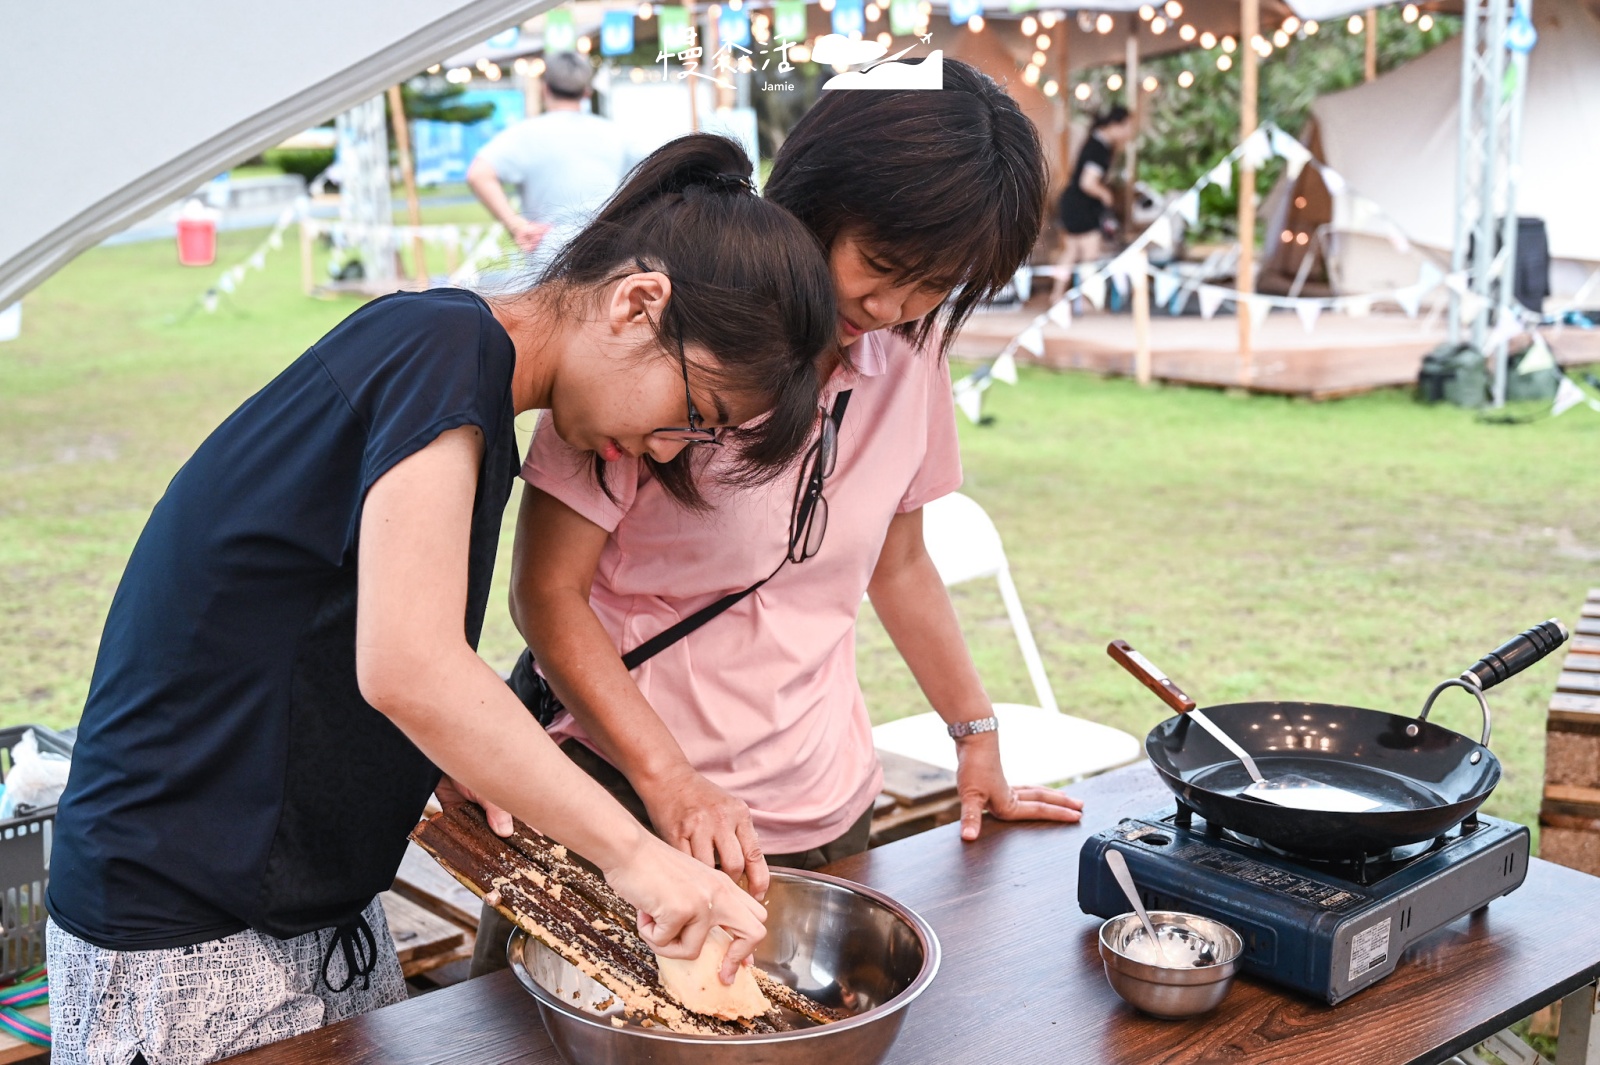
(1087, 197)
(289, 666)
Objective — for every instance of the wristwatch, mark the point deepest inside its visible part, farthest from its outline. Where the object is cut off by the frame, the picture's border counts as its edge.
(972, 728)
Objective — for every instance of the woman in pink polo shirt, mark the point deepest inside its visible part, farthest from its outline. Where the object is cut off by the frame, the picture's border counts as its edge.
(747, 741)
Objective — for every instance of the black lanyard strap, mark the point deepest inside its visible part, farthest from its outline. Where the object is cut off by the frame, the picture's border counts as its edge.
(671, 635)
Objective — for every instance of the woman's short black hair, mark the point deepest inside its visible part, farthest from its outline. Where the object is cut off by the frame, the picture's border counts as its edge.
(1111, 116)
(947, 186)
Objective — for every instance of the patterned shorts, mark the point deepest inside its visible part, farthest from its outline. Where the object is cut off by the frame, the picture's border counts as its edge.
(190, 1005)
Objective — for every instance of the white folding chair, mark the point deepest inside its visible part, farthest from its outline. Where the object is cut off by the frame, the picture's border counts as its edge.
(1038, 744)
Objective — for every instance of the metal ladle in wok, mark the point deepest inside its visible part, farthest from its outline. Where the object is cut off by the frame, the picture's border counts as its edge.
(1425, 778)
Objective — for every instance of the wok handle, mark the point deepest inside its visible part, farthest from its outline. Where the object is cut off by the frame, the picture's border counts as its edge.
(1151, 677)
(1516, 655)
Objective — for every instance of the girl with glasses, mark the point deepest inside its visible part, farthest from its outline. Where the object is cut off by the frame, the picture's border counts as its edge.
(289, 665)
(746, 742)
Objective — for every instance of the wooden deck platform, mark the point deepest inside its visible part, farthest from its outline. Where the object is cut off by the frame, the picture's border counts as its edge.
(1342, 356)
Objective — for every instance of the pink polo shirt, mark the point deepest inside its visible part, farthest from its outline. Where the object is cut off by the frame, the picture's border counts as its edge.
(763, 699)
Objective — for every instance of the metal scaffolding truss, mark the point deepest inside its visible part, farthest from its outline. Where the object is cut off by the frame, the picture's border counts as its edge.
(1495, 39)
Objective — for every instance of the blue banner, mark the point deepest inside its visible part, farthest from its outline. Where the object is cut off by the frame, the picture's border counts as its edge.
(961, 11)
(733, 27)
(616, 33)
(850, 17)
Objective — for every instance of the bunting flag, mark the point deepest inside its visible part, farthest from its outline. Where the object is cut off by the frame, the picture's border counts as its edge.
(616, 33)
(1256, 149)
(1538, 357)
(673, 28)
(1221, 175)
(1568, 395)
(560, 34)
(733, 28)
(1259, 309)
(1332, 180)
(905, 17)
(1211, 297)
(1189, 207)
(1409, 299)
(1094, 289)
(1291, 151)
(961, 11)
(1061, 313)
(1358, 306)
(1165, 287)
(1161, 234)
(1429, 275)
(1032, 338)
(850, 18)
(1005, 367)
(789, 19)
(1309, 311)
(969, 393)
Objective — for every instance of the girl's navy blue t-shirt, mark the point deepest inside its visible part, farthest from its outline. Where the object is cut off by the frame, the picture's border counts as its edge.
(228, 774)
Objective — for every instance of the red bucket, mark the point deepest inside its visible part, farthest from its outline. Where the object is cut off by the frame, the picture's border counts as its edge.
(197, 241)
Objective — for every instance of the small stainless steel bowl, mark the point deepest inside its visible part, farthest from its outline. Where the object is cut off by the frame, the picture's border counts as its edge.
(840, 943)
(1170, 992)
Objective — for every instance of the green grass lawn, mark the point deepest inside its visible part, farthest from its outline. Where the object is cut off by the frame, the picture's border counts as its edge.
(1356, 551)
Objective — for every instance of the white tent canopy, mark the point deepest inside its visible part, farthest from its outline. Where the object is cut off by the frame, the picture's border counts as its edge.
(1410, 114)
(116, 109)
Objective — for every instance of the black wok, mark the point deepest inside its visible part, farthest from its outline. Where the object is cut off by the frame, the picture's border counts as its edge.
(1427, 778)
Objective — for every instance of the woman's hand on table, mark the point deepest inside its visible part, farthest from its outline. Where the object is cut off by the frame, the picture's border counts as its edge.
(449, 792)
(680, 900)
(704, 821)
(981, 783)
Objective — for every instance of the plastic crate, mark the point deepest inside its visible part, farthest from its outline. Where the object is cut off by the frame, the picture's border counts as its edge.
(25, 864)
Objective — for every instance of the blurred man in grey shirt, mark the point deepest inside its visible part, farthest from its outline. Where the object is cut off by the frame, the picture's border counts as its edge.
(564, 162)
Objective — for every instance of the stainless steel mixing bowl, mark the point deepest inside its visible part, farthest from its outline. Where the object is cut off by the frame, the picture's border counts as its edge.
(1170, 992)
(840, 943)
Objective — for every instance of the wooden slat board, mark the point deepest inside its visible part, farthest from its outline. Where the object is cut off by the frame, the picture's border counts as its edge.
(422, 881)
(1565, 707)
(418, 934)
(1589, 645)
(912, 782)
(1578, 662)
(1579, 683)
(1587, 626)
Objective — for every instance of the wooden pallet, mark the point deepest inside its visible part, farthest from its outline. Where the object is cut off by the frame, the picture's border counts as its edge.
(1569, 817)
(916, 797)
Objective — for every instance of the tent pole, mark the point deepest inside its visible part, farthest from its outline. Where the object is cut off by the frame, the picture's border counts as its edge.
(1466, 107)
(1249, 29)
(402, 140)
(1131, 84)
(1512, 103)
(1372, 43)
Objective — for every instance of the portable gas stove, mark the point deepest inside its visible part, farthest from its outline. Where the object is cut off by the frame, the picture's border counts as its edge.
(1328, 929)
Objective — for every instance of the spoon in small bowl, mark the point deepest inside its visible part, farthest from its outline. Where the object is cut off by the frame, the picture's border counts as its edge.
(1119, 869)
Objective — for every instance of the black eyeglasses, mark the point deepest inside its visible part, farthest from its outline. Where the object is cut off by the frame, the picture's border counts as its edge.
(693, 433)
(809, 519)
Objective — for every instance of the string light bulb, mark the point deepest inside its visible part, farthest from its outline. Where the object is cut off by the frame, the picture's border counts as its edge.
(1280, 39)
(1030, 26)
(1186, 32)
(1185, 79)
(645, 11)
(1039, 59)
(1150, 83)
(976, 24)
(1409, 13)
(1048, 19)
(1083, 92)
(1147, 12)
(1291, 24)
(1173, 9)
(1356, 24)
(1224, 62)
(873, 12)
(886, 38)
(1030, 74)
(1051, 87)
(1043, 41)
(1104, 23)
(1312, 26)
(800, 54)
(1425, 23)
(1208, 40)
(1158, 25)
(1114, 82)
(1228, 45)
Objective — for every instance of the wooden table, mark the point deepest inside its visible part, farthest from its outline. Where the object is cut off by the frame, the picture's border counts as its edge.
(1021, 982)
